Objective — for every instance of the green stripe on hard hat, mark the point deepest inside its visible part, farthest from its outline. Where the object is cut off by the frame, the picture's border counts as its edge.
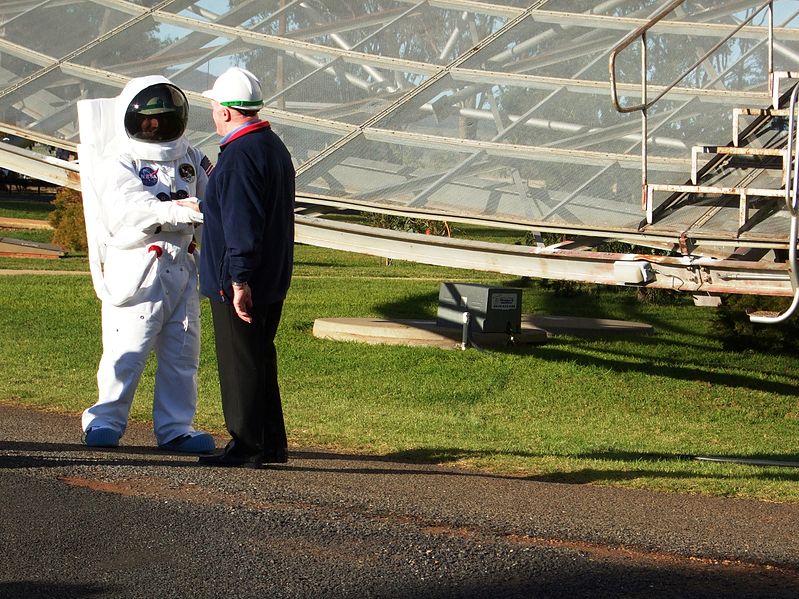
(234, 103)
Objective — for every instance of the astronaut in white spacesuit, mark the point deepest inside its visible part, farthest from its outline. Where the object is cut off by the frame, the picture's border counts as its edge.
(139, 177)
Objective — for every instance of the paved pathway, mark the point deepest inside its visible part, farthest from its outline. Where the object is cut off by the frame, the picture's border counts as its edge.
(136, 522)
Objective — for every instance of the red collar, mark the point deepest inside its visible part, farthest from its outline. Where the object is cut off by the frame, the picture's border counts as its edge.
(245, 130)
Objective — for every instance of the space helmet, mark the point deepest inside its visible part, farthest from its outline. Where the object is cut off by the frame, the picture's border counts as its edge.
(157, 114)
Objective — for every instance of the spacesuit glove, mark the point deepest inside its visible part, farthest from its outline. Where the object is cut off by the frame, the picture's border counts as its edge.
(188, 211)
(176, 216)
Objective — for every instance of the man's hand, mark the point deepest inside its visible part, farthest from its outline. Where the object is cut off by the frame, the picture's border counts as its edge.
(192, 203)
(187, 211)
(242, 301)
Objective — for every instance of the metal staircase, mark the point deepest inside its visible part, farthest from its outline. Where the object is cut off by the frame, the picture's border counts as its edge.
(758, 168)
(755, 167)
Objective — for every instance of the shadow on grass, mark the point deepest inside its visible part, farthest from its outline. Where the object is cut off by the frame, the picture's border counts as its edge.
(413, 462)
(675, 371)
(441, 456)
(592, 475)
(564, 350)
(788, 464)
(412, 307)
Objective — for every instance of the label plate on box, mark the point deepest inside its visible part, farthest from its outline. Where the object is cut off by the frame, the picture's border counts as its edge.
(503, 301)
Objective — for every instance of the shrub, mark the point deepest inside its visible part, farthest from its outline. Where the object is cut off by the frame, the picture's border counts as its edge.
(409, 225)
(737, 332)
(67, 220)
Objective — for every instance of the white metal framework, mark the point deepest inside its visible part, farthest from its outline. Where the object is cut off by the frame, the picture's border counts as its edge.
(496, 113)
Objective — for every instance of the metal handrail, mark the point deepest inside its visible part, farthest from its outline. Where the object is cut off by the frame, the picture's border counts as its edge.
(641, 32)
(792, 203)
(792, 169)
(646, 104)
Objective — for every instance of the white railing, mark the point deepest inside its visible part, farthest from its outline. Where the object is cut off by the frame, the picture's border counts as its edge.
(792, 203)
(645, 104)
(792, 170)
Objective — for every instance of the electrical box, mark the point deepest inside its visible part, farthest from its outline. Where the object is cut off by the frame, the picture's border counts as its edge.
(491, 309)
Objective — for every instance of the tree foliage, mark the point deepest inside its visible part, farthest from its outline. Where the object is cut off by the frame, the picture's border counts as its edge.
(67, 220)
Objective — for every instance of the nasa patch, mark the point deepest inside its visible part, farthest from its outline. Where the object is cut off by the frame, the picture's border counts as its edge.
(187, 172)
(148, 176)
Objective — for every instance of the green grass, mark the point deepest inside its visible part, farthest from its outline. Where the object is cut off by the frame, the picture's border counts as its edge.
(625, 412)
(23, 205)
(37, 207)
(70, 263)
(38, 235)
(30, 206)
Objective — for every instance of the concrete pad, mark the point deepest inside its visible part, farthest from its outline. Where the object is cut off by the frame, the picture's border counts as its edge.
(414, 333)
(707, 301)
(586, 327)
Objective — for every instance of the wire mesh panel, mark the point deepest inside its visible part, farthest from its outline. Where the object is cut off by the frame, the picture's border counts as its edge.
(48, 104)
(56, 29)
(497, 110)
(418, 31)
(15, 67)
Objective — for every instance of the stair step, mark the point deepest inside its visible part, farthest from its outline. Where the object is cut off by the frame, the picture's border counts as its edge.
(712, 189)
(735, 151)
(737, 113)
(762, 111)
(742, 190)
(745, 151)
(776, 77)
(743, 193)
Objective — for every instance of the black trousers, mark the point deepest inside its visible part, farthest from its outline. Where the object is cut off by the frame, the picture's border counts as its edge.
(247, 361)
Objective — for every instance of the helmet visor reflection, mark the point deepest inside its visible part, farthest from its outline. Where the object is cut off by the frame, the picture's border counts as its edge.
(157, 114)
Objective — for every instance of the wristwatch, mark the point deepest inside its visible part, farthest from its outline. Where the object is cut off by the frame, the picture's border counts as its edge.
(237, 284)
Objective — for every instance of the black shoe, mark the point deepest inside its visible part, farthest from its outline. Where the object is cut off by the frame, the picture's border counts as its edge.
(274, 456)
(231, 457)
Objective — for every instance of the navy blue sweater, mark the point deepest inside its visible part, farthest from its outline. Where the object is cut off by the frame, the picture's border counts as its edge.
(248, 211)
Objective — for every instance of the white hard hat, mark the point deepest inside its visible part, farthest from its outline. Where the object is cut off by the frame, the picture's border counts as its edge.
(237, 88)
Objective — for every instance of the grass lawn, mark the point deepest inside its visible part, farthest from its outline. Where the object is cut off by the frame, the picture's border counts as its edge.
(624, 412)
(25, 205)
(37, 207)
(38, 235)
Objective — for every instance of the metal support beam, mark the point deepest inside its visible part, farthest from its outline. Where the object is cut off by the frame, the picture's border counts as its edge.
(703, 275)
(39, 166)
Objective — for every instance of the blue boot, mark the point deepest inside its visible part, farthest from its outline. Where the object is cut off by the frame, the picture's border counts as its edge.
(101, 436)
(194, 442)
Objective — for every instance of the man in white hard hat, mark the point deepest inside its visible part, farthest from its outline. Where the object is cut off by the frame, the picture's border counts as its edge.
(140, 181)
(245, 268)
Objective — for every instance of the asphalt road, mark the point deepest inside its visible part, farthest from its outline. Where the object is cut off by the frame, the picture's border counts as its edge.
(137, 522)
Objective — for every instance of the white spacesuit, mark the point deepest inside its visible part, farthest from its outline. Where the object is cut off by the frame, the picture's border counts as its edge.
(134, 163)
